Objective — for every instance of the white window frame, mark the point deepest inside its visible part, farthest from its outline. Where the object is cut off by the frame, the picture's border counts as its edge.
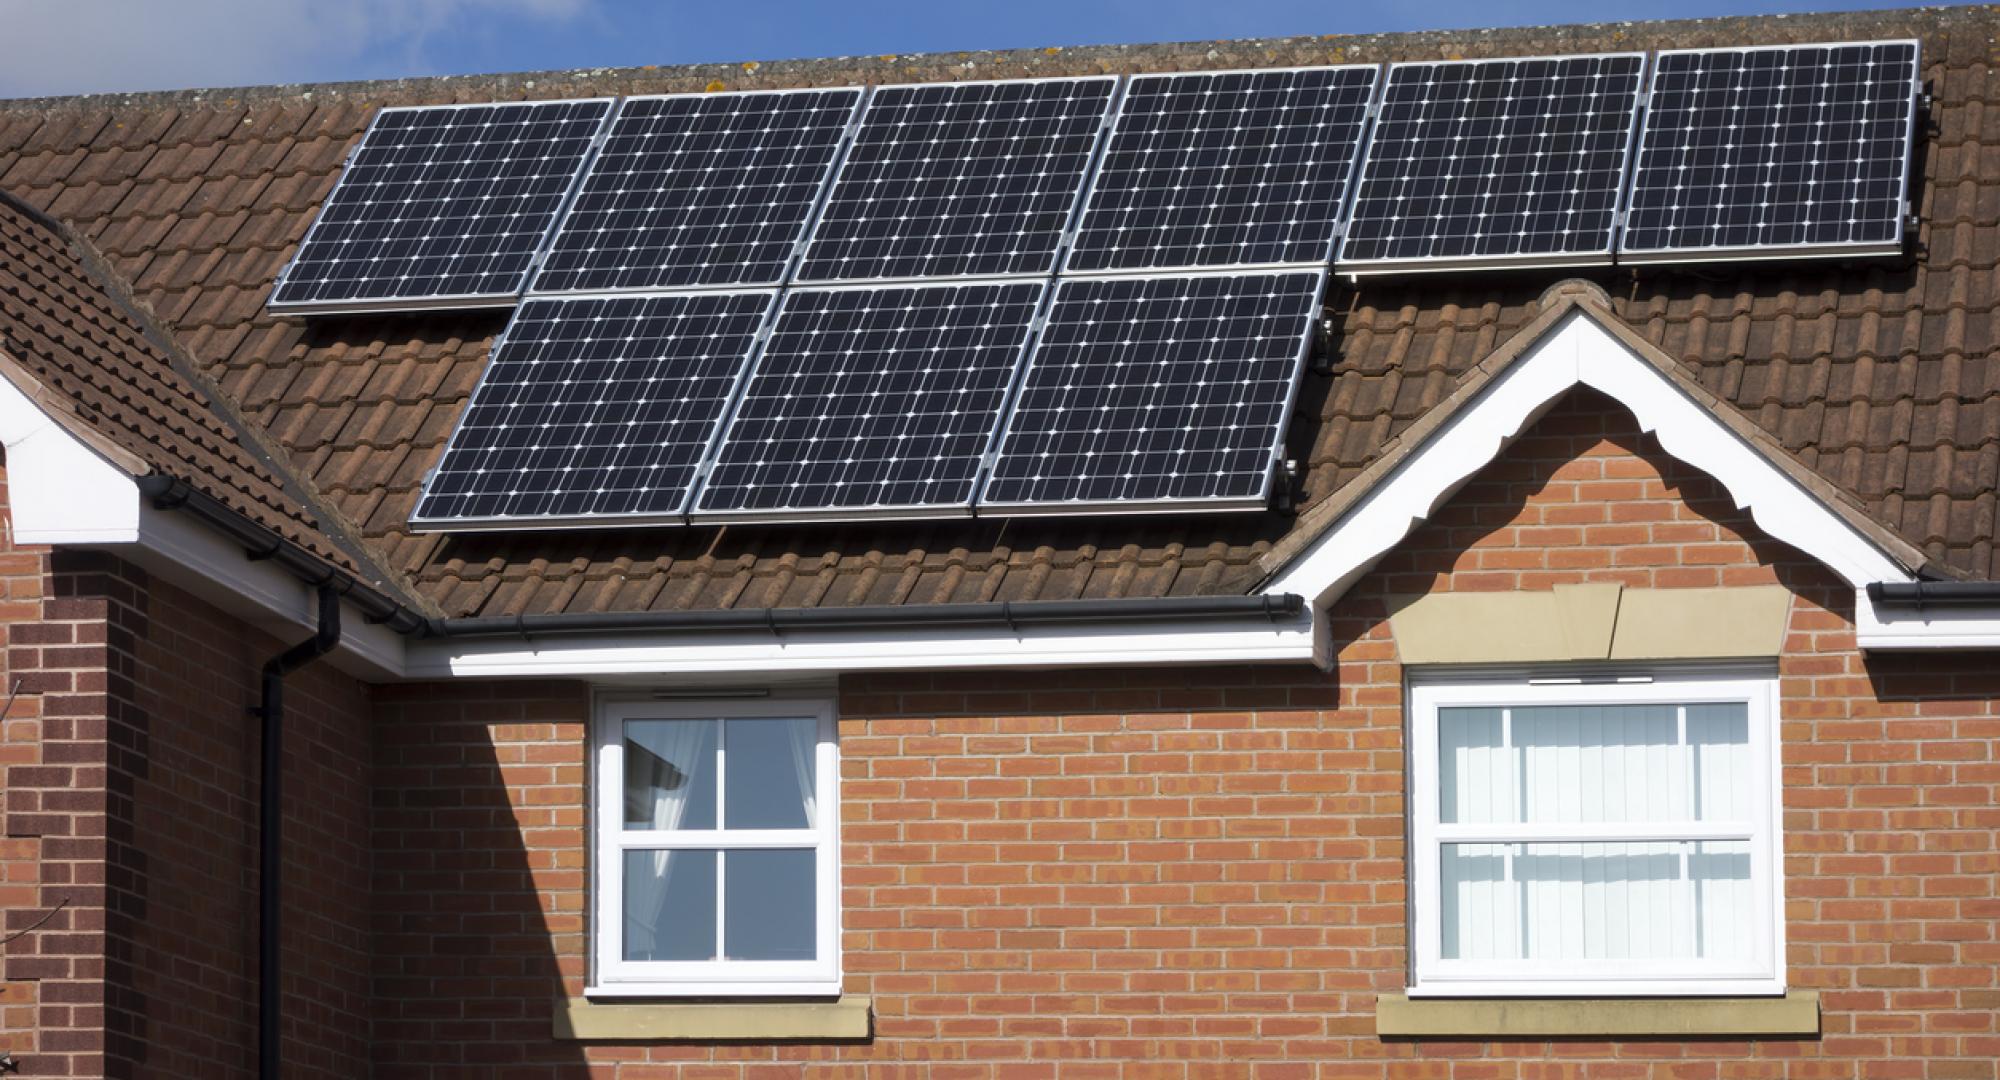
(614, 976)
(1433, 976)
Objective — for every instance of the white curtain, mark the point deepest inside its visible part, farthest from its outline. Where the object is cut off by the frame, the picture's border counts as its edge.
(659, 773)
(805, 742)
(1600, 765)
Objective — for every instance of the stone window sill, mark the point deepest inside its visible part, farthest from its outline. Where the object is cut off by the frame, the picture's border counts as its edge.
(1794, 1015)
(848, 1019)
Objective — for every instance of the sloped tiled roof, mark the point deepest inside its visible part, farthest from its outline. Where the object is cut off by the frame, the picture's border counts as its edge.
(1879, 375)
(71, 332)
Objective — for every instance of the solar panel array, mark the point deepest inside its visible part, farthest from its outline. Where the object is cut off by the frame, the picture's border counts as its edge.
(959, 179)
(1157, 393)
(873, 402)
(1242, 168)
(1755, 151)
(444, 205)
(699, 189)
(1043, 296)
(1516, 161)
(595, 410)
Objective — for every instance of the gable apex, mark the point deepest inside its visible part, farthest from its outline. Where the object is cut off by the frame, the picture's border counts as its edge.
(1575, 341)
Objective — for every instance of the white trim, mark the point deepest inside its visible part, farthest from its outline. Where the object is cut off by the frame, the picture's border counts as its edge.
(761, 654)
(1905, 627)
(614, 976)
(1433, 976)
(1577, 352)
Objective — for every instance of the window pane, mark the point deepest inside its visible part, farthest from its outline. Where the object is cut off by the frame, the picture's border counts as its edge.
(670, 774)
(768, 905)
(1684, 900)
(1476, 782)
(1595, 763)
(768, 766)
(670, 905)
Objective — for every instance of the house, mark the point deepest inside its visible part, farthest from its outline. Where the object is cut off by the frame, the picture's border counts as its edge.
(1617, 697)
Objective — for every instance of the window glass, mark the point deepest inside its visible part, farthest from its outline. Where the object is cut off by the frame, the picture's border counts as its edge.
(670, 774)
(768, 773)
(670, 905)
(768, 905)
(1681, 900)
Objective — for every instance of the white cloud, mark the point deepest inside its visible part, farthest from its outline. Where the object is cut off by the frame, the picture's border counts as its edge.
(87, 46)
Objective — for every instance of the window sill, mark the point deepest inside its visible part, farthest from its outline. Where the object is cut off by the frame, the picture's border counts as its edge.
(1796, 1014)
(579, 1019)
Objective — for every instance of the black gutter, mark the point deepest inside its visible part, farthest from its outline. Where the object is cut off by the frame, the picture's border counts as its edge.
(172, 493)
(778, 621)
(1941, 594)
(270, 826)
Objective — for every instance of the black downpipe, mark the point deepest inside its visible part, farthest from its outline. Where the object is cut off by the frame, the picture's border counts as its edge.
(270, 822)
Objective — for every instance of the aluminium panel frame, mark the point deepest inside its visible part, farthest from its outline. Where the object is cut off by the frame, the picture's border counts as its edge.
(556, 523)
(1355, 269)
(1275, 451)
(1355, 161)
(1111, 101)
(1749, 252)
(381, 305)
(862, 94)
(876, 511)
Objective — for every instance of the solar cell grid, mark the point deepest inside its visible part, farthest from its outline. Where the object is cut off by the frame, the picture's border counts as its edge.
(872, 402)
(1763, 150)
(444, 204)
(1517, 161)
(959, 180)
(1156, 393)
(595, 409)
(699, 190)
(1211, 169)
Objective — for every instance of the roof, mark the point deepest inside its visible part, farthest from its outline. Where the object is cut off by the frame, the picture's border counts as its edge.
(1877, 376)
(72, 337)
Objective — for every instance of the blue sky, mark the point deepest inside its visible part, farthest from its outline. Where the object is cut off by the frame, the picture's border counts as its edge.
(85, 46)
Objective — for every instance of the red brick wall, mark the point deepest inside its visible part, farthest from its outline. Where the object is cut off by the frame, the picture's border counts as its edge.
(1200, 872)
(130, 787)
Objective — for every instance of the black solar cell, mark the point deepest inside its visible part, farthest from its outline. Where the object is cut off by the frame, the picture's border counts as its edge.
(1210, 169)
(872, 402)
(1759, 151)
(442, 205)
(1516, 161)
(959, 179)
(699, 190)
(595, 410)
(1156, 393)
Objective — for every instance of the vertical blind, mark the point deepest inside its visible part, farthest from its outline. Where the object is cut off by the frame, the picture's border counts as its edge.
(1642, 769)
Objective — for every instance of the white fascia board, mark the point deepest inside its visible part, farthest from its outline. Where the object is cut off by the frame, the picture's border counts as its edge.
(1901, 627)
(741, 656)
(63, 493)
(1577, 352)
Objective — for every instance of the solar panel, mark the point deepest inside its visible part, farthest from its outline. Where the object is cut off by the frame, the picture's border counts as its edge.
(959, 180)
(1240, 168)
(699, 190)
(1762, 151)
(1166, 393)
(442, 205)
(874, 402)
(594, 410)
(1495, 162)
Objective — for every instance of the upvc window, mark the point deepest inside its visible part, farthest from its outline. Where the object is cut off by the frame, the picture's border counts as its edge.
(717, 867)
(1613, 838)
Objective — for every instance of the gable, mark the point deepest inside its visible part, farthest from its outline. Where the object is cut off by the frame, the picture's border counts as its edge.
(1573, 346)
